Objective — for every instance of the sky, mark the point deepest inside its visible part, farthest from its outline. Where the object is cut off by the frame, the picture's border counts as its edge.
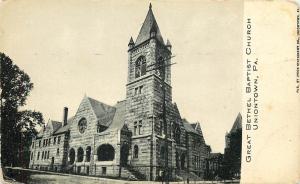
(72, 48)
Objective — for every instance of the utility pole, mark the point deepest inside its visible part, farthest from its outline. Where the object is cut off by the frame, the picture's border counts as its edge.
(162, 67)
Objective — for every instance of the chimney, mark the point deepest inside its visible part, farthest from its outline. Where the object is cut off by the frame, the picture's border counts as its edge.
(65, 118)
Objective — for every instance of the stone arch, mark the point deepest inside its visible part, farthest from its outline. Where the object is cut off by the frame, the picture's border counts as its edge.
(80, 154)
(72, 155)
(105, 152)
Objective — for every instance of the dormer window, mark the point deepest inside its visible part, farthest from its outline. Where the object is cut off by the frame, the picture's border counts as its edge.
(140, 67)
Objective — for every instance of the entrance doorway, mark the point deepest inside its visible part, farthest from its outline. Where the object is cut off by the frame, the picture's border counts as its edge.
(124, 154)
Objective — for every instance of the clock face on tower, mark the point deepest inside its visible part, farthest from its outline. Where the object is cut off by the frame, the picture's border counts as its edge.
(82, 124)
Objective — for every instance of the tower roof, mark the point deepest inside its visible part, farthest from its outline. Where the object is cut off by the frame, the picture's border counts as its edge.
(149, 25)
(131, 41)
(237, 123)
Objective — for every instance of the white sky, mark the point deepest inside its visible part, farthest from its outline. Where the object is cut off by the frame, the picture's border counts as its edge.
(70, 48)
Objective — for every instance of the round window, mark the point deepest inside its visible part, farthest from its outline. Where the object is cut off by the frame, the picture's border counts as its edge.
(82, 124)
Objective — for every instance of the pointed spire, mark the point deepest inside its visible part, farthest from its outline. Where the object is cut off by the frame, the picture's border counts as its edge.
(149, 26)
(131, 43)
(237, 123)
(169, 45)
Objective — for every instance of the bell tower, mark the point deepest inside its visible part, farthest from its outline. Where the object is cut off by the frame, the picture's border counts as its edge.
(148, 84)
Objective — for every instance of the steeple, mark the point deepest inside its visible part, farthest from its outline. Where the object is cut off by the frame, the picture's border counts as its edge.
(169, 45)
(149, 26)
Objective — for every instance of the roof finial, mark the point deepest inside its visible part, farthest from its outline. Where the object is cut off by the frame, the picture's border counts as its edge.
(150, 6)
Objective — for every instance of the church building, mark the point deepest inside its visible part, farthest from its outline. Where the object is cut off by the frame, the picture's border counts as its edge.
(142, 137)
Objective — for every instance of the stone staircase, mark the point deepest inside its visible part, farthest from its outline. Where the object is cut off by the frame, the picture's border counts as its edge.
(182, 174)
(132, 174)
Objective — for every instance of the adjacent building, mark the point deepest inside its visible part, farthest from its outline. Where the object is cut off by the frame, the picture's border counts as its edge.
(214, 166)
(233, 150)
(141, 137)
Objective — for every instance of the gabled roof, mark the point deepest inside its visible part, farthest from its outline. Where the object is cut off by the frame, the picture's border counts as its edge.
(149, 25)
(118, 120)
(237, 124)
(56, 125)
(51, 123)
(188, 127)
(66, 127)
(103, 111)
(197, 127)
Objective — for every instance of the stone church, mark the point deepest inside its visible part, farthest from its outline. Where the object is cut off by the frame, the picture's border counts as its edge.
(142, 137)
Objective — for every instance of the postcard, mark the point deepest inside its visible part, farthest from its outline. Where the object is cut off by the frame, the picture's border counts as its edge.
(172, 91)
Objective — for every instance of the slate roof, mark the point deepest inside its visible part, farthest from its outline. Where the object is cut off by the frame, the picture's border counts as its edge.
(103, 111)
(118, 120)
(111, 116)
(56, 125)
(237, 123)
(188, 127)
(148, 25)
(65, 128)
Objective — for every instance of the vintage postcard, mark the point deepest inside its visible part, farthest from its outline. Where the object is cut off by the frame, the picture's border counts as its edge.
(172, 91)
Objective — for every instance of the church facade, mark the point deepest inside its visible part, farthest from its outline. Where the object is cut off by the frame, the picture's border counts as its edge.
(142, 137)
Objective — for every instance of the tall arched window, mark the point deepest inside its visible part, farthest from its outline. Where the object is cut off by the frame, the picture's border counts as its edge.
(160, 66)
(176, 132)
(140, 67)
(136, 151)
(105, 152)
(80, 153)
(72, 155)
(88, 153)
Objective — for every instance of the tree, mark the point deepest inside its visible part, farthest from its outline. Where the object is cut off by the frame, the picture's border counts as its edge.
(17, 127)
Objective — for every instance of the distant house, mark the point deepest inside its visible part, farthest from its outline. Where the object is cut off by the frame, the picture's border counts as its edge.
(214, 166)
(233, 149)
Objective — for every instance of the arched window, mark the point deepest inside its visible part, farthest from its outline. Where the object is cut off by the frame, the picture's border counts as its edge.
(38, 156)
(160, 66)
(80, 153)
(176, 132)
(136, 151)
(105, 152)
(140, 67)
(88, 154)
(72, 155)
